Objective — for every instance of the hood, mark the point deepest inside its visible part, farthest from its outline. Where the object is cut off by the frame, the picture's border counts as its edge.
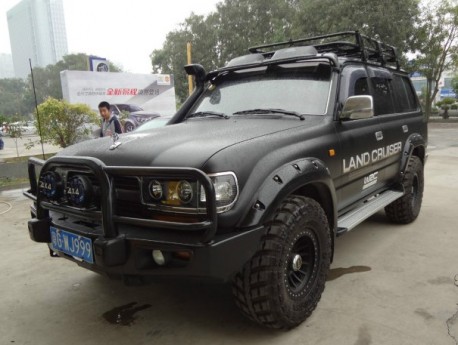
(187, 144)
(144, 113)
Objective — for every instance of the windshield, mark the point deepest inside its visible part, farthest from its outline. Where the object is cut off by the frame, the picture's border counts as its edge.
(303, 93)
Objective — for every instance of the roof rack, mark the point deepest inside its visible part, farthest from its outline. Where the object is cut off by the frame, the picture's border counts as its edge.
(365, 48)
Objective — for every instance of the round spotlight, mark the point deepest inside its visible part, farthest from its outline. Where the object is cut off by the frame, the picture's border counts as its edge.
(79, 191)
(155, 189)
(184, 191)
(50, 185)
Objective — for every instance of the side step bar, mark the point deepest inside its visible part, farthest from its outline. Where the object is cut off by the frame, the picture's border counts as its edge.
(351, 219)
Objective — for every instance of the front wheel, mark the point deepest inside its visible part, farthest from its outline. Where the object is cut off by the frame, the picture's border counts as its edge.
(283, 282)
(129, 127)
(406, 209)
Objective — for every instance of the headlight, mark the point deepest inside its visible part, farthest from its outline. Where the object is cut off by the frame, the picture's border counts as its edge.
(226, 191)
(188, 196)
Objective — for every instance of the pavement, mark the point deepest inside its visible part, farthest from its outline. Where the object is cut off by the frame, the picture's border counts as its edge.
(9, 150)
(389, 284)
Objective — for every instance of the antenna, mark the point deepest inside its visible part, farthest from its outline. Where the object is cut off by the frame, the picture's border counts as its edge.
(36, 108)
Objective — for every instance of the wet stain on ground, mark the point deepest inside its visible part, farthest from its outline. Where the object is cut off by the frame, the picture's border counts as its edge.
(125, 314)
(424, 314)
(339, 272)
(364, 336)
(440, 281)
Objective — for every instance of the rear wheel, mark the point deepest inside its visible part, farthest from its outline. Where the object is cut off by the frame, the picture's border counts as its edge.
(282, 284)
(406, 209)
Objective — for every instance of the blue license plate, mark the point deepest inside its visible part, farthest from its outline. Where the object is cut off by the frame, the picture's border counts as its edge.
(77, 246)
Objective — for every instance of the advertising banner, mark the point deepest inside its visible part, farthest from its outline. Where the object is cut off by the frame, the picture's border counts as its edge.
(151, 92)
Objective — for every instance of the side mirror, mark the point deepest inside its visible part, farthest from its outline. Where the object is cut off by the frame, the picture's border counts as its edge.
(358, 107)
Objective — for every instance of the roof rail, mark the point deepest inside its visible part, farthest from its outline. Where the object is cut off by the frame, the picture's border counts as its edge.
(361, 47)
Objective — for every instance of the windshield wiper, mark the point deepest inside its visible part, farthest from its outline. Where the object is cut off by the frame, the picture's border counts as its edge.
(207, 113)
(270, 111)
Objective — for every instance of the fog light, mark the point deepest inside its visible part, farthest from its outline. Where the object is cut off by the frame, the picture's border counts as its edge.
(50, 185)
(158, 257)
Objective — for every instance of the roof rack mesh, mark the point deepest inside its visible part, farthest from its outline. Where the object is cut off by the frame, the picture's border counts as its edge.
(347, 43)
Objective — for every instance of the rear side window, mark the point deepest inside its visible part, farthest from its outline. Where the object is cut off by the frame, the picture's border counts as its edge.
(404, 97)
(382, 94)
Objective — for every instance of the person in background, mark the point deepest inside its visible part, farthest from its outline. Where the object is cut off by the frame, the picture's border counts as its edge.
(110, 123)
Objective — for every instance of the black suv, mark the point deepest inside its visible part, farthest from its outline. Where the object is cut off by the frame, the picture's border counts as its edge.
(269, 160)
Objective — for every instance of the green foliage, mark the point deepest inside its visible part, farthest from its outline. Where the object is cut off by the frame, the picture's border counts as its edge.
(389, 21)
(436, 44)
(454, 106)
(16, 95)
(238, 24)
(3, 119)
(63, 123)
(222, 35)
(445, 105)
(12, 98)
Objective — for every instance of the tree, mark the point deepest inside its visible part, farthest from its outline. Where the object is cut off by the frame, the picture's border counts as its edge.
(222, 35)
(437, 48)
(445, 105)
(63, 123)
(171, 59)
(238, 24)
(12, 97)
(15, 132)
(392, 22)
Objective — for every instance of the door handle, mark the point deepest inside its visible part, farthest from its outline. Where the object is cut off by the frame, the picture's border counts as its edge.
(379, 135)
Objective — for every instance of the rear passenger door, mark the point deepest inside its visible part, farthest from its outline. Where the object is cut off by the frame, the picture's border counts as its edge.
(396, 107)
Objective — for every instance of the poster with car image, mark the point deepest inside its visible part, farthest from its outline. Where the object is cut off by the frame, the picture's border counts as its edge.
(136, 97)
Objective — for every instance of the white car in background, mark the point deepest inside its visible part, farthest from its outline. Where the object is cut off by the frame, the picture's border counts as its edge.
(26, 127)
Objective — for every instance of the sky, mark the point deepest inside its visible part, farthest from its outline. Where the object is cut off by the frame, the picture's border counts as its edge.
(124, 32)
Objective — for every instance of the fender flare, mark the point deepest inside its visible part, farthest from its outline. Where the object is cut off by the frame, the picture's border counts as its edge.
(294, 176)
(415, 142)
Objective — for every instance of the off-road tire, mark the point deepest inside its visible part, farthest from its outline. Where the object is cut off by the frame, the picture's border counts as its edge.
(406, 209)
(266, 290)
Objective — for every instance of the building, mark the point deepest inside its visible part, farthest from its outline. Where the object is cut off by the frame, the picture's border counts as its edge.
(37, 31)
(445, 85)
(6, 66)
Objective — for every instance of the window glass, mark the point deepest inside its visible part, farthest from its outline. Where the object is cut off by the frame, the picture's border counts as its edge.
(400, 95)
(404, 95)
(305, 93)
(410, 93)
(381, 92)
(361, 87)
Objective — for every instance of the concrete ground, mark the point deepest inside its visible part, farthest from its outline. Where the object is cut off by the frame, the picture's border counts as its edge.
(9, 150)
(389, 284)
